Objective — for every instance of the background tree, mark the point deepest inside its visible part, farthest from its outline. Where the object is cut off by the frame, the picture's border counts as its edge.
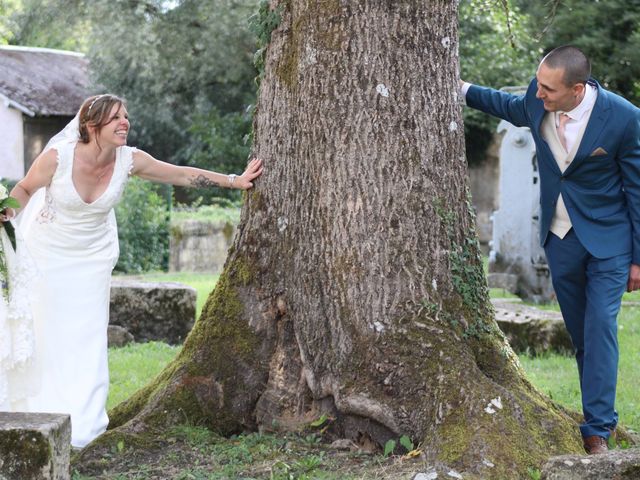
(608, 32)
(354, 287)
(498, 47)
(58, 24)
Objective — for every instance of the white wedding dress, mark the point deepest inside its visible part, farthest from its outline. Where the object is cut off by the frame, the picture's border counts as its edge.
(74, 245)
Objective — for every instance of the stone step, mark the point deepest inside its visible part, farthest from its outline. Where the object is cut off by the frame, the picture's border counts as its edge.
(34, 446)
(613, 465)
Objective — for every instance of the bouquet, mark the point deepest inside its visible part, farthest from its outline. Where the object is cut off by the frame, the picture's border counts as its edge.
(6, 202)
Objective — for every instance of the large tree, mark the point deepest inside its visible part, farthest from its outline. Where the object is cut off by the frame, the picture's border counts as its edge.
(354, 287)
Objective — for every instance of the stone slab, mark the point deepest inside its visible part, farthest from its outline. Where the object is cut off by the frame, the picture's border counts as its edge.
(532, 330)
(34, 446)
(614, 465)
(162, 311)
(118, 336)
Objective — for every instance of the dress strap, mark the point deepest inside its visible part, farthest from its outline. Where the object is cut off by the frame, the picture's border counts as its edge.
(64, 157)
(125, 163)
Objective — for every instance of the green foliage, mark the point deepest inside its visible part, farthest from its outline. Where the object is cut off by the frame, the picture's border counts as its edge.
(56, 24)
(319, 421)
(217, 142)
(220, 211)
(467, 272)
(389, 447)
(608, 32)
(497, 49)
(143, 228)
(262, 23)
(406, 442)
(534, 473)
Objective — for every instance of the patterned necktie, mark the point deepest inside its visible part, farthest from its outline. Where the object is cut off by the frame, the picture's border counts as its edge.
(562, 125)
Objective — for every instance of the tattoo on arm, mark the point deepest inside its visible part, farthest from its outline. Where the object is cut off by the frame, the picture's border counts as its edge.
(203, 182)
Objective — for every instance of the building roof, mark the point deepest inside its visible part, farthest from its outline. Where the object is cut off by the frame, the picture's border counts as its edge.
(40, 81)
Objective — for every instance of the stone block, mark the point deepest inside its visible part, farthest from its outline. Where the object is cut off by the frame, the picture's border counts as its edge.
(199, 246)
(614, 465)
(34, 446)
(530, 329)
(118, 336)
(506, 281)
(163, 311)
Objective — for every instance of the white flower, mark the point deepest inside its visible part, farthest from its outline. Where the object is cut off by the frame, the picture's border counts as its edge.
(4, 194)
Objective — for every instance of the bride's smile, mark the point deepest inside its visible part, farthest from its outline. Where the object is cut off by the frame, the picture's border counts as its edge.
(117, 130)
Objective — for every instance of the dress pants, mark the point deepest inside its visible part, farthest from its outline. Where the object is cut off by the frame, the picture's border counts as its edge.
(589, 291)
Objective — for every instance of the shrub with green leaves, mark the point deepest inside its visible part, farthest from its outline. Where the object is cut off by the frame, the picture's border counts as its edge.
(143, 228)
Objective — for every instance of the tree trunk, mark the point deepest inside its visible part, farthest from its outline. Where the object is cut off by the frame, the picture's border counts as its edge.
(354, 287)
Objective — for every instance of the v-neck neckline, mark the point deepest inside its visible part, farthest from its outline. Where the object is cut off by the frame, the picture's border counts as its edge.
(73, 184)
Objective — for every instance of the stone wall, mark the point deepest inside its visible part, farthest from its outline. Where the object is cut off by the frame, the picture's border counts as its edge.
(199, 246)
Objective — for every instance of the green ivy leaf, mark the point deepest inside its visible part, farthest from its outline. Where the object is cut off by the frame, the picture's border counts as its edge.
(389, 447)
(320, 421)
(406, 442)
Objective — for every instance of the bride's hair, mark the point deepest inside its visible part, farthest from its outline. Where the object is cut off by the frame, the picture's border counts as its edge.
(95, 112)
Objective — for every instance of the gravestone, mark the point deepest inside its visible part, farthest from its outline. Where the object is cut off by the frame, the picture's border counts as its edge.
(34, 446)
(515, 250)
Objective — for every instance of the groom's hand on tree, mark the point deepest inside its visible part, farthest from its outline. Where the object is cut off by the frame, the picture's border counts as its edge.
(634, 278)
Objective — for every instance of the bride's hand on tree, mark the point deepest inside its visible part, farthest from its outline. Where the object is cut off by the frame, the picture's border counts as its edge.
(253, 170)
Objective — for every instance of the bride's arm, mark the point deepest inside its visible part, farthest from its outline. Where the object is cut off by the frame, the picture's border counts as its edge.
(38, 176)
(147, 167)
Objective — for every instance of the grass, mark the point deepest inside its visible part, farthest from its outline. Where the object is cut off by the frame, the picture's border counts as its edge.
(193, 452)
(131, 367)
(208, 213)
(557, 376)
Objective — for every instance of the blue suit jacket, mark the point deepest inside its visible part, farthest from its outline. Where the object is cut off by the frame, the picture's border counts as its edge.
(601, 192)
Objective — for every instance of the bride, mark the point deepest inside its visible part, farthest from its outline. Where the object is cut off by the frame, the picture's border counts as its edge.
(67, 226)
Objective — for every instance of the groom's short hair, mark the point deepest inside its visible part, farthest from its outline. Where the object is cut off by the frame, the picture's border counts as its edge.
(576, 65)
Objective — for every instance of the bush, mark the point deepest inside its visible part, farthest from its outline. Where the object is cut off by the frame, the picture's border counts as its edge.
(218, 142)
(143, 228)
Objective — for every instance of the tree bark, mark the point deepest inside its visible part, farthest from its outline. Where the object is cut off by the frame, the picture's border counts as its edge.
(354, 287)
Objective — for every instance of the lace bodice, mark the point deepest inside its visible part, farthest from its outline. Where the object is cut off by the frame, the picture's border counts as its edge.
(63, 204)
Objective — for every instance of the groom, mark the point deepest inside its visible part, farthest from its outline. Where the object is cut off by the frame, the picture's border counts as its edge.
(588, 149)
